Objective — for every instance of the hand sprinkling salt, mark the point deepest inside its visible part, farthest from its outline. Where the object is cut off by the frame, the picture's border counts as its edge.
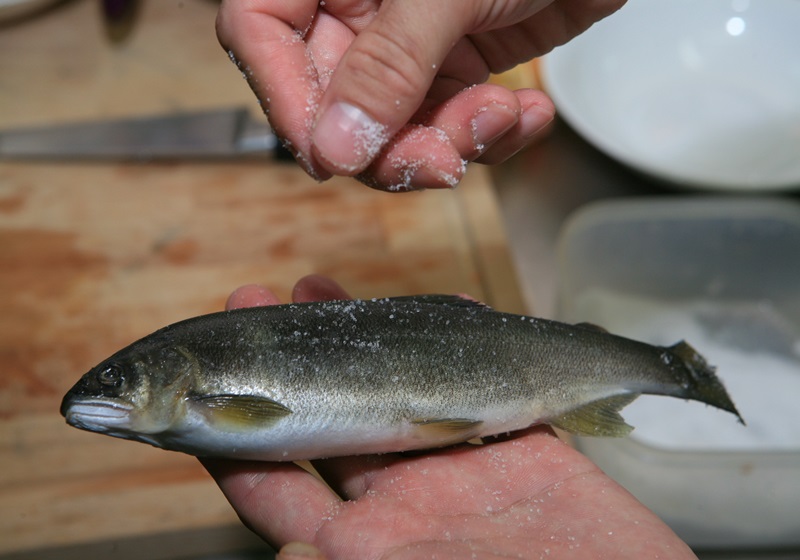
(374, 71)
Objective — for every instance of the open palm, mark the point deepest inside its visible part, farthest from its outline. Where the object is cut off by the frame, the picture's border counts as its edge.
(524, 495)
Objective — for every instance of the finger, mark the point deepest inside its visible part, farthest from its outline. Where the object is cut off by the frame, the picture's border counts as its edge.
(279, 501)
(418, 157)
(382, 80)
(265, 40)
(434, 155)
(476, 117)
(350, 477)
(534, 122)
(299, 551)
(317, 288)
(463, 67)
(251, 295)
(545, 25)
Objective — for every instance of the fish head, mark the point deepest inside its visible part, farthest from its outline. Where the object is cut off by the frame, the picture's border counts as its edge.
(136, 394)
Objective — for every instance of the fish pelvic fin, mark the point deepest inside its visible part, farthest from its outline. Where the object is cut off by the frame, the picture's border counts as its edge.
(238, 412)
(597, 418)
(703, 383)
(446, 431)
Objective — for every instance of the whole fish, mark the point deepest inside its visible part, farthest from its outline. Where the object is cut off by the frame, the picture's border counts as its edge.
(323, 379)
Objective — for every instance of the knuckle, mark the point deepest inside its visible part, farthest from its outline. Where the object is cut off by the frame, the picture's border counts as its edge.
(391, 62)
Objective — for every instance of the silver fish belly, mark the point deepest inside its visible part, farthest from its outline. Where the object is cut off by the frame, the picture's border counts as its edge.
(306, 381)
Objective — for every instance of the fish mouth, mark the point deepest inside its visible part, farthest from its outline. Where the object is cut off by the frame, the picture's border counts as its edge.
(97, 415)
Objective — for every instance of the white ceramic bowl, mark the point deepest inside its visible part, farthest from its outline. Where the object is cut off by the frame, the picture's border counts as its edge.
(698, 93)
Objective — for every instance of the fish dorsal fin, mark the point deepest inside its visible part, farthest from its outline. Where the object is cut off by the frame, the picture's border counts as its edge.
(440, 299)
(597, 418)
(446, 431)
(239, 412)
(592, 327)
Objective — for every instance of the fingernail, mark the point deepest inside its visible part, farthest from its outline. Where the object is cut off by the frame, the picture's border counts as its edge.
(347, 138)
(534, 119)
(490, 123)
(422, 175)
(431, 178)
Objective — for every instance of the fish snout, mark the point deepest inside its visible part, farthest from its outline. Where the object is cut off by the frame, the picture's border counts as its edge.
(96, 415)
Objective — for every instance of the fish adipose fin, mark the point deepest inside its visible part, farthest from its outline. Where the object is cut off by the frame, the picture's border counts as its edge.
(597, 418)
(238, 412)
(447, 431)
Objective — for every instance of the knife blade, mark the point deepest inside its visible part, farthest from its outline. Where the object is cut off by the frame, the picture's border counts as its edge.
(216, 134)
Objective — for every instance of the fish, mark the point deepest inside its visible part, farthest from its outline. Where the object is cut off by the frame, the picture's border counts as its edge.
(350, 377)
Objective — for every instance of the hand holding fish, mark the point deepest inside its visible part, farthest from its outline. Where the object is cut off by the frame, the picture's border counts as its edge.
(328, 377)
(383, 90)
(523, 495)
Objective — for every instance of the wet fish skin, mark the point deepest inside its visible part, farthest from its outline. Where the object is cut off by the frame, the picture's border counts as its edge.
(306, 381)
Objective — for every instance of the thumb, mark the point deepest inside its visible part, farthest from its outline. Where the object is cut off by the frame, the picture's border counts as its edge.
(382, 79)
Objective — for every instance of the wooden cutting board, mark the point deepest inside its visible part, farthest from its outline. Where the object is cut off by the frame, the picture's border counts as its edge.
(93, 256)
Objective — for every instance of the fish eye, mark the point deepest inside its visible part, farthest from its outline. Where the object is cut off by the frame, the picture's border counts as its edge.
(111, 376)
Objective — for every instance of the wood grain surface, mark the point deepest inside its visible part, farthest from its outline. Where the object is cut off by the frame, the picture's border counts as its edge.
(93, 256)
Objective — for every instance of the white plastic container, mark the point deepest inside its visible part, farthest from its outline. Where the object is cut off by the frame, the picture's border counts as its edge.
(725, 275)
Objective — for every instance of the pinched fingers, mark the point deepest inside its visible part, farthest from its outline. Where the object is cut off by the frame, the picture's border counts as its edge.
(475, 118)
(485, 123)
(537, 112)
(290, 51)
(488, 123)
(265, 40)
(418, 157)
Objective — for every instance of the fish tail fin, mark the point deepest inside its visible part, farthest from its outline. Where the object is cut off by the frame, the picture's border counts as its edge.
(702, 383)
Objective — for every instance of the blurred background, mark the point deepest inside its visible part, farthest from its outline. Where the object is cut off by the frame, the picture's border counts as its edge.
(97, 252)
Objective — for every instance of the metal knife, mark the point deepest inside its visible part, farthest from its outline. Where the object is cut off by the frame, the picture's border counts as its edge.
(214, 134)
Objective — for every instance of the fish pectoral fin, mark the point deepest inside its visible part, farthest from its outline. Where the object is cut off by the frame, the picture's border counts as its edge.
(236, 412)
(446, 431)
(597, 418)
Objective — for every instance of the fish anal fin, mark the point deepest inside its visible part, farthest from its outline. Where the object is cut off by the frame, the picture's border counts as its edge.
(597, 418)
(238, 412)
(446, 431)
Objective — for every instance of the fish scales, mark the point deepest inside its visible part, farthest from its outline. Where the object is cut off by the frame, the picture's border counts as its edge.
(303, 381)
